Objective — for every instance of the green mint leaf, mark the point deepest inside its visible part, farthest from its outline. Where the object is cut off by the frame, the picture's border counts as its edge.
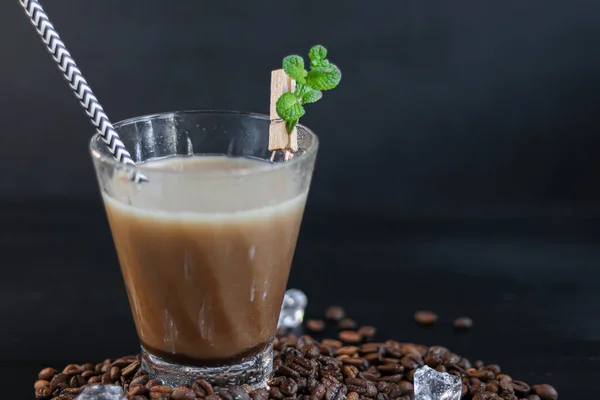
(312, 96)
(324, 78)
(294, 68)
(323, 75)
(317, 54)
(290, 125)
(289, 108)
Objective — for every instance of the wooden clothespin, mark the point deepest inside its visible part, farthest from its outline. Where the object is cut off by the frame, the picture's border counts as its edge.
(279, 138)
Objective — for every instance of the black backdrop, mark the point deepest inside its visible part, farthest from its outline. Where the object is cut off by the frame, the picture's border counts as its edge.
(458, 160)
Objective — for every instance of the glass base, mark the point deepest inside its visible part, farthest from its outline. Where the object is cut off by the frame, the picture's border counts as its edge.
(254, 371)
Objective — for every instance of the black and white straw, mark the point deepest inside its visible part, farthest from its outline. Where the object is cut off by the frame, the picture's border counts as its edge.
(80, 87)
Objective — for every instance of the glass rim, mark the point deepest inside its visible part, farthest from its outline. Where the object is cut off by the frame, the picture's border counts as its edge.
(104, 156)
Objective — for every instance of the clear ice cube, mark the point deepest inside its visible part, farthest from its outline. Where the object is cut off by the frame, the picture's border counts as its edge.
(292, 309)
(430, 384)
(102, 392)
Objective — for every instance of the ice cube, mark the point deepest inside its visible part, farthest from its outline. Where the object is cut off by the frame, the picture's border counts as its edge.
(430, 384)
(102, 392)
(292, 309)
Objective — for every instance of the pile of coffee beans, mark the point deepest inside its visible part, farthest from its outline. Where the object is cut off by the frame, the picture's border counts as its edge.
(305, 369)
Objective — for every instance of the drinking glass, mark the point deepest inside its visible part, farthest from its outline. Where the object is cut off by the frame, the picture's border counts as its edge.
(205, 246)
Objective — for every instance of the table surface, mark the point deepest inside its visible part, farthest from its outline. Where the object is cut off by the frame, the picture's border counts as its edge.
(530, 284)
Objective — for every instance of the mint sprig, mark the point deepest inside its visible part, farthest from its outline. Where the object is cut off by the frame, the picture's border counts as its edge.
(322, 75)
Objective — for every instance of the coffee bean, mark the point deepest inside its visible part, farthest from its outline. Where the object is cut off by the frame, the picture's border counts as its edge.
(43, 392)
(383, 387)
(140, 372)
(335, 313)
(121, 362)
(106, 365)
(336, 392)
(350, 337)
(275, 393)
(47, 374)
(136, 390)
(305, 339)
(140, 380)
(153, 382)
(77, 381)
(301, 365)
(98, 367)
(476, 388)
(486, 396)
(347, 324)
(358, 362)
(114, 373)
(482, 374)
(505, 386)
(492, 387)
(392, 378)
(87, 367)
(375, 358)
(433, 360)
(71, 391)
(202, 388)
(106, 380)
(352, 396)
(405, 350)
(310, 350)
(367, 332)
(160, 392)
(332, 343)
(88, 374)
(259, 394)
(546, 392)
(503, 377)
(315, 325)
(346, 350)
(237, 393)
(411, 361)
(391, 369)
(59, 381)
(404, 387)
(370, 376)
(361, 386)
(130, 369)
(426, 317)
(349, 371)
(40, 383)
(533, 397)
(382, 396)
(72, 369)
(94, 380)
(494, 368)
(463, 323)
(289, 387)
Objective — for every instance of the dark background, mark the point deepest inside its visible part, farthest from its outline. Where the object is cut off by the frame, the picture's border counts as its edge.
(457, 171)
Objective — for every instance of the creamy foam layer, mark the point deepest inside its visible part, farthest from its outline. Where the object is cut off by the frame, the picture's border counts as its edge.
(218, 217)
(209, 185)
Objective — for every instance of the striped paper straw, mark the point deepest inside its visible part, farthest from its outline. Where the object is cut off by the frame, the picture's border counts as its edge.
(80, 87)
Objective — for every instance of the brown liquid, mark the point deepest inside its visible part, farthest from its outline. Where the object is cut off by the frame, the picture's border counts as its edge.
(206, 277)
